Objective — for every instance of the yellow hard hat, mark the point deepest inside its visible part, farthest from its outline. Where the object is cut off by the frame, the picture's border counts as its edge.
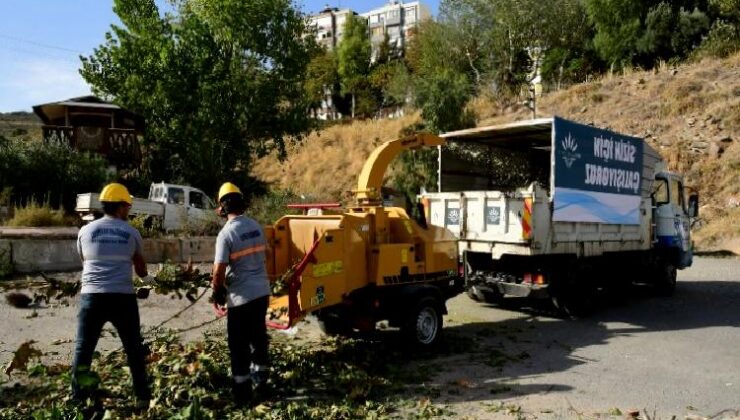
(115, 193)
(228, 188)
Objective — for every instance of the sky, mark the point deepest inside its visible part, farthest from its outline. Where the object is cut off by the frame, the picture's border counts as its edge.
(41, 41)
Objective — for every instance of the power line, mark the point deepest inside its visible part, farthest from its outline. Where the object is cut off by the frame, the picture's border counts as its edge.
(66, 60)
(39, 44)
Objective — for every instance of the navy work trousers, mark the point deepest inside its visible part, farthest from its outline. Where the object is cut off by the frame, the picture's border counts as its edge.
(122, 311)
(247, 332)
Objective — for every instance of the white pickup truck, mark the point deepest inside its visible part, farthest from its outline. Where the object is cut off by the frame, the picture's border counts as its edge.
(169, 205)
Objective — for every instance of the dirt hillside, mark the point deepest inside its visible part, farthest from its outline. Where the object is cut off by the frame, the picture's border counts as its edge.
(690, 113)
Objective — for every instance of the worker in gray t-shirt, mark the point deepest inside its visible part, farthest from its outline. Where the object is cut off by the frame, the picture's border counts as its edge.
(110, 248)
(240, 284)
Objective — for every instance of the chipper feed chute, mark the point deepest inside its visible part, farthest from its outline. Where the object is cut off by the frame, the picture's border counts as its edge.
(307, 264)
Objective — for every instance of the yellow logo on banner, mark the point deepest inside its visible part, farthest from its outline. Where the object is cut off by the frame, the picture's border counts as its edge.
(327, 269)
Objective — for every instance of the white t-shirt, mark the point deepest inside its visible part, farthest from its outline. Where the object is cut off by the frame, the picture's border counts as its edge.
(107, 247)
(241, 244)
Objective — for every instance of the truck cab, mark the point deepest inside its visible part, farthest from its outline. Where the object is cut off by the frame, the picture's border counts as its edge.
(673, 208)
(181, 203)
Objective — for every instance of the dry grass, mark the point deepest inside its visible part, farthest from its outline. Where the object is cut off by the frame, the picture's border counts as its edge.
(326, 164)
(37, 215)
(674, 109)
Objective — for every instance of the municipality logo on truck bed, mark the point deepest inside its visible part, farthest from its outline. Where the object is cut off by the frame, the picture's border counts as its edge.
(598, 175)
(569, 152)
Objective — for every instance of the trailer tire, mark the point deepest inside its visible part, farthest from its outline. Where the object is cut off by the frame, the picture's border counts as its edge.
(665, 281)
(422, 325)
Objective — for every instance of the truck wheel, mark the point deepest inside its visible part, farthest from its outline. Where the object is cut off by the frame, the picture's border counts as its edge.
(423, 324)
(665, 281)
(334, 323)
(488, 296)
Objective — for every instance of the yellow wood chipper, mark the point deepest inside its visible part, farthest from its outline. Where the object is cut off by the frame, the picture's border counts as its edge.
(363, 264)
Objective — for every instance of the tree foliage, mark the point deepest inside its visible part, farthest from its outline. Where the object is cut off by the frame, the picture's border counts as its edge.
(354, 53)
(322, 78)
(217, 81)
(636, 32)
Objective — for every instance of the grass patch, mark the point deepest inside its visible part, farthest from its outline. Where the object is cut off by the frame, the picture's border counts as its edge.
(38, 215)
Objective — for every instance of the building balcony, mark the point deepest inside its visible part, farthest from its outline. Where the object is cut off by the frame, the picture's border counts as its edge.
(393, 20)
(120, 147)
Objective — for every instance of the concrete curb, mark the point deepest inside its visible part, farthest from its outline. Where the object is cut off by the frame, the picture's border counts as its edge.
(24, 254)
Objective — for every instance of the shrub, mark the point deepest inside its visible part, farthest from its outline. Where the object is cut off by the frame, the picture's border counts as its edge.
(722, 41)
(44, 172)
(209, 226)
(147, 226)
(38, 215)
(268, 208)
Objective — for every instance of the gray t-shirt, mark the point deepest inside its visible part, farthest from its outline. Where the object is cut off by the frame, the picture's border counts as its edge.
(241, 245)
(107, 247)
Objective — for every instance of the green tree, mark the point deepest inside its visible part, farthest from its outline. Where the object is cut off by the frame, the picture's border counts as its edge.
(723, 38)
(671, 33)
(322, 78)
(216, 80)
(442, 97)
(618, 25)
(353, 56)
(392, 81)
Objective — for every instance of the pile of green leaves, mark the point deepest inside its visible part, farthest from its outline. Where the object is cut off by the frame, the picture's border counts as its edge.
(179, 281)
(329, 379)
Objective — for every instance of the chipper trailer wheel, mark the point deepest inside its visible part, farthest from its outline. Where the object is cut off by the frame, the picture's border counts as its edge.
(423, 324)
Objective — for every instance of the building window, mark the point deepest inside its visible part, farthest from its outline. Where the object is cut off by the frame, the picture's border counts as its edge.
(410, 15)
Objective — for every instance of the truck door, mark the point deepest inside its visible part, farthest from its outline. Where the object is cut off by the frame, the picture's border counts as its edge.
(199, 208)
(175, 213)
(682, 221)
(672, 219)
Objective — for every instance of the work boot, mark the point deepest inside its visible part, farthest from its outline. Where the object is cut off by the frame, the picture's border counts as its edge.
(141, 404)
(259, 375)
(242, 393)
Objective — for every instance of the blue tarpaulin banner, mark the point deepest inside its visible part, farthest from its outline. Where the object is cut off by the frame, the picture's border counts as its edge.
(598, 175)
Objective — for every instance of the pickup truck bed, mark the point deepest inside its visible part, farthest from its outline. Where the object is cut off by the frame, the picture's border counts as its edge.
(89, 204)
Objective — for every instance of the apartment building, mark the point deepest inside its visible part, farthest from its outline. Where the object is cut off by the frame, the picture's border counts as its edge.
(329, 25)
(397, 20)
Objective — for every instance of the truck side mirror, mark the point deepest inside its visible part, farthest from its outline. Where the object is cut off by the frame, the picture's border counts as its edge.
(694, 205)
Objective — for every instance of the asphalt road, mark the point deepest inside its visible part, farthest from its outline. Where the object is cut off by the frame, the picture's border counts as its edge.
(664, 356)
